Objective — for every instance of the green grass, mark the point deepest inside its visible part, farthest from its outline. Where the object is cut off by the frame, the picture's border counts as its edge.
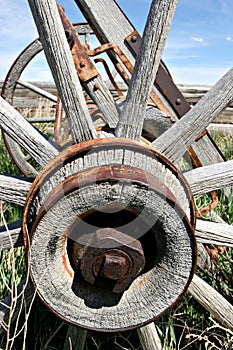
(187, 326)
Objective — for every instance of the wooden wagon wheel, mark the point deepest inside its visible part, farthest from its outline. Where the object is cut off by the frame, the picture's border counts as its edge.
(13, 79)
(109, 223)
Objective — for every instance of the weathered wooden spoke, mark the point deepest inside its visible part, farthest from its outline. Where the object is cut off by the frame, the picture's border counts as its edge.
(14, 189)
(11, 235)
(217, 233)
(53, 39)
(209, 178)
(119, 30)
(25, 134)
(146, 66)
(176, 141)
(109, 225)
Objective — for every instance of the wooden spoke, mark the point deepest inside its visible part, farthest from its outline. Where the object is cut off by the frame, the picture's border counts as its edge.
(11, 235)
(212, 301)
(177, 140)
(149, 338)
(146, 66)
(116, 30)
(90, 78)
(210, 232)
(210, 178)
(53, 39)
(14, 189)
(111, 220)
(38, 90)
(14, 124)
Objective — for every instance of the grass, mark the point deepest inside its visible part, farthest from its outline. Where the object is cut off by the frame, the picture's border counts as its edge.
(187, 326)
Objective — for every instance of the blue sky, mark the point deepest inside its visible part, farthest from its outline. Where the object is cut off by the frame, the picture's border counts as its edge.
(199, 49)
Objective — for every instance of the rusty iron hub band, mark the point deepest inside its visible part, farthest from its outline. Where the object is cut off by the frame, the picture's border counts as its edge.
(79, 150)
(108, 260)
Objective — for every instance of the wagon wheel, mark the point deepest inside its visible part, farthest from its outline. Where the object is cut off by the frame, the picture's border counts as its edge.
(109, 223)
(13, 79)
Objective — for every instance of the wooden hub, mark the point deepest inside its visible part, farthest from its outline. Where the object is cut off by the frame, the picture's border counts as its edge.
(108, 228)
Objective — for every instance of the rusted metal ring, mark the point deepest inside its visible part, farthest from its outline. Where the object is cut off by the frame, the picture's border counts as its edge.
(80, 150)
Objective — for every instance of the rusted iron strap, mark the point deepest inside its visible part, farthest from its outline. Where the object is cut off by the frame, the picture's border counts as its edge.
(85, 68)
(163, 80)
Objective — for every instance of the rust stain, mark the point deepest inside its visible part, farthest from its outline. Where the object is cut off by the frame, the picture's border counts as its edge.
(140, 283)
(64, 258)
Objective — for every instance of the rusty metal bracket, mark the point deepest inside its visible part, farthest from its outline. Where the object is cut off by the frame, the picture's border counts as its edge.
(163, 80)
(85, 68)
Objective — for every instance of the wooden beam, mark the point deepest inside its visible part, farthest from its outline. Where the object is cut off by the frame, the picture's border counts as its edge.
(75, 338)
(149, 338)
(11, 235)
(38, 90)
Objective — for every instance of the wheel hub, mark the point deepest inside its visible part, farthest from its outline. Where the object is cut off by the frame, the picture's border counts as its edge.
(107, 223)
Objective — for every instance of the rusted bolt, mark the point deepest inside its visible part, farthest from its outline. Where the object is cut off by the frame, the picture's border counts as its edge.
(111, 255)
(178, 101)
(96, 87)
(112, 265)
(82, 64)
(134, 39)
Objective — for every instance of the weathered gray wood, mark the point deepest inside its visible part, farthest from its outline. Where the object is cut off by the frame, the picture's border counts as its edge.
(11, 235)
(38, 90)
(14, 189)
(17, 68)
(225, 117)
(60, 60)
(212, 301)
(102, 97)
(94, 84)
(210, 232)
(210, 178)
(134, 307)
(64, 294)
(149, 338)
(112, 155)
(75, 338)
(216, 128)
(145, 69)
(115, 30)
(177, 139)
(14, 124)
(15, 304)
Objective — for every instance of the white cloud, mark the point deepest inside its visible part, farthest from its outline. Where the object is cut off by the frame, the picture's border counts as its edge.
(229, 38)
(199, 40)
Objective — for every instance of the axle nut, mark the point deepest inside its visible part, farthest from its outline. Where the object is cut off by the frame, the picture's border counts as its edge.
(112, 255)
